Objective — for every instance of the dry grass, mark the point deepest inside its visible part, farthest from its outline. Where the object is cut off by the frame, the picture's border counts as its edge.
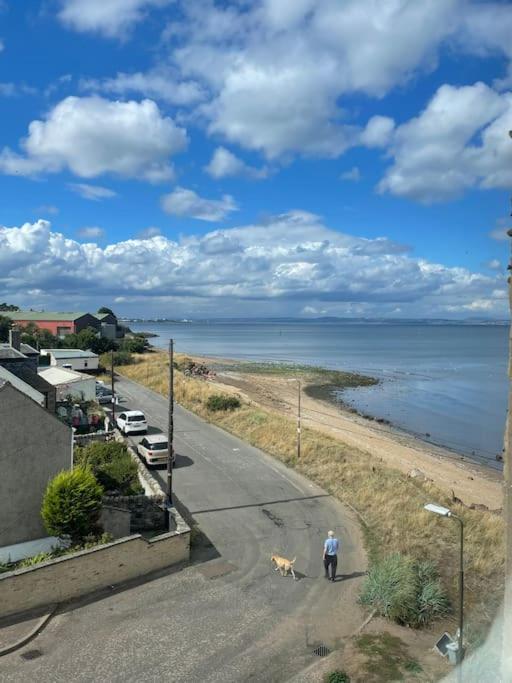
(390, 503)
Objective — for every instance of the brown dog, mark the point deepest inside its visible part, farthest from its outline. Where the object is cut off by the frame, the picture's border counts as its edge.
(283, 566)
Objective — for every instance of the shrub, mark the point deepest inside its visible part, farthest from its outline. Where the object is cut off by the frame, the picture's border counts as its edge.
(405, 591)
(135, 345)
(72, 505)
(120, 358)
(337, 677)
(222, 402)
(112, 465)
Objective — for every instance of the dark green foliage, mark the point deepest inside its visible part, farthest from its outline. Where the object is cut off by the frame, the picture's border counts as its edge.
(135, 345)
(405, 591)
(337, 677)
(222, 402)
(8, 307)
(104, 309)
(112, 465)
(72, 505)
(5, 326)
(43, 339)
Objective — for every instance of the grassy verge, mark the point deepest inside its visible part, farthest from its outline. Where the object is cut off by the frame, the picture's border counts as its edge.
(390, 504)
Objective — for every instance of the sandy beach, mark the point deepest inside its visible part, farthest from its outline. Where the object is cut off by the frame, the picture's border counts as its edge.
(453, 473)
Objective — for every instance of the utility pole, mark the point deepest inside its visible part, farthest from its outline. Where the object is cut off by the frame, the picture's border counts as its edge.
(112, 386)
(298, 421)
(170, 431)
(506, 657)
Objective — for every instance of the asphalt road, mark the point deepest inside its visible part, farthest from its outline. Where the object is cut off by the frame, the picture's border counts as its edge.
(228, 616)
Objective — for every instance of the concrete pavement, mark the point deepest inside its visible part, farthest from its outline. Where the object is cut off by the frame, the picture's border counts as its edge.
(229, 616)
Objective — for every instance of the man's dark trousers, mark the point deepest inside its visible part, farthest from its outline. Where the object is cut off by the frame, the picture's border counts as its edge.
(332, 561)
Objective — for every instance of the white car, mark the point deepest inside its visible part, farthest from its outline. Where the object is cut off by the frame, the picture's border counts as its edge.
(154, 449)
(132, 421)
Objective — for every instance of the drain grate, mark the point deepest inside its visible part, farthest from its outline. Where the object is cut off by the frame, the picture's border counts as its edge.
(31, 654)
(321, 651)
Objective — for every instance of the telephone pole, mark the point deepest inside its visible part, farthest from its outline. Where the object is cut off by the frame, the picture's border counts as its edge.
(170, 431)
(112, 386)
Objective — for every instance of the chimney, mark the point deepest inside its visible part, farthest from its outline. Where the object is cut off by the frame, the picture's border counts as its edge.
(15, 338)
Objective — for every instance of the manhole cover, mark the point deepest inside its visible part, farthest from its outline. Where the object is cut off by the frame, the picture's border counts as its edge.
(31, 654)
(321, 651)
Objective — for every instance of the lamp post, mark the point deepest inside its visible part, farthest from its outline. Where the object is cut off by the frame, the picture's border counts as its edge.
(445, 512)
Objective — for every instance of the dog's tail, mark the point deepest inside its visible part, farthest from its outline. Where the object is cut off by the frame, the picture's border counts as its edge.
(293, 561)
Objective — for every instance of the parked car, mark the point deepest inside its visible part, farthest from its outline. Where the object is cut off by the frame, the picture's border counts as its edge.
(132, 421)
(154, 449)
(104, 395)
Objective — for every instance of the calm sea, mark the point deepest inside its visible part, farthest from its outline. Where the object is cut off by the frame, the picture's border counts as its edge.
(445, 381)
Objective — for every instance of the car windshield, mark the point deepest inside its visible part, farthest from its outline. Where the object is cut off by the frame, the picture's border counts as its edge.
(136, 418)
(159, 446)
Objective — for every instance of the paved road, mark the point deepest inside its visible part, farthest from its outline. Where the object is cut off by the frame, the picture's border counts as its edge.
(228, 616)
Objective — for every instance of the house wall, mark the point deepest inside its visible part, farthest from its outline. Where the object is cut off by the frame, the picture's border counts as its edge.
(84, 390)
(76, 363)
(50, 325)
(34, 447)
(87, 320)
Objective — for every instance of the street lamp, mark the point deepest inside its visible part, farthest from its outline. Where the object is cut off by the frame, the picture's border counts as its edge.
(445, 512)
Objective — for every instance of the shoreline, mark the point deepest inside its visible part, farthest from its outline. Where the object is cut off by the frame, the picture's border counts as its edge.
(269, 385)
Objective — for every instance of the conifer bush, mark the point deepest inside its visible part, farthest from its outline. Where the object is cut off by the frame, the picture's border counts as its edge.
(72, 505)
(222, 402)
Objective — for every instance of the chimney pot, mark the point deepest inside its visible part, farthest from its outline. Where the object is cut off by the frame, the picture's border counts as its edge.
(15, 338)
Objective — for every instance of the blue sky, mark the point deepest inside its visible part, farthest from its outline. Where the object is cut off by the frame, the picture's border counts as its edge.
(290, 157)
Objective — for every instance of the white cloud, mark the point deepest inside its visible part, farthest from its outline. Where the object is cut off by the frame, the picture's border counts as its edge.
(16, 89)
(224, 163)
(92, 232)
(186, 203)
(378, 132)
(149, 233)
(354, 175)
(92, 136)
(160, 83)
(112, 18)
(459, 141)
(279, 73)
(499, 233)
(46, 209)
(292, 263)
(494, 264)
(2, 46)
(93, 192)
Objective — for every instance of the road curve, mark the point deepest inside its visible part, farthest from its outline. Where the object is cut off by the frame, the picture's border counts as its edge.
(228, 616)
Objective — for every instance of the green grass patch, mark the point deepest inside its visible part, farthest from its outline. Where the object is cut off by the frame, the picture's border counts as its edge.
(387, 658)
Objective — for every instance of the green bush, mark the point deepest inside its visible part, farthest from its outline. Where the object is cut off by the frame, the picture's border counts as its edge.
(135, 345)
(112, 465)
(405, 591)
(35, 559)
(222, 402)
(120, 358)
(72, 505)
(337, 677)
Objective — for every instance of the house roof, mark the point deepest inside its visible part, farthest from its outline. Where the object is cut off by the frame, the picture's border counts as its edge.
(34, 379)
(44, 315)
(27, 349)
(60, 354)
(6, 376)
(56, 376)
(101, 316)
(7, 351)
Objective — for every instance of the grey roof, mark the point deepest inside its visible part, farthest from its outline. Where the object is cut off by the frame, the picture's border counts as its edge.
(35, 380)
(27, 349)
(6, 351)
(70, 353)
(43, 315)
(21, 385)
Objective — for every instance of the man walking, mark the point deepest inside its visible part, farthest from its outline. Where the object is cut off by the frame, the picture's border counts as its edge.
(331, 547)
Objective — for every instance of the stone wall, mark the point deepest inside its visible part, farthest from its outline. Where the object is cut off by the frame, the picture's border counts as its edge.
(86, 439)
(75, 575)
(147, 512)
(115, 521)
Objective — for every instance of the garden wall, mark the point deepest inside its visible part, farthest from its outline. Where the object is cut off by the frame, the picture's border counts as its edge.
(72, 576)
(147, 512)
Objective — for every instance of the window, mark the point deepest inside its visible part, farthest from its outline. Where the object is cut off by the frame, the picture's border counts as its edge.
(136, 418)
